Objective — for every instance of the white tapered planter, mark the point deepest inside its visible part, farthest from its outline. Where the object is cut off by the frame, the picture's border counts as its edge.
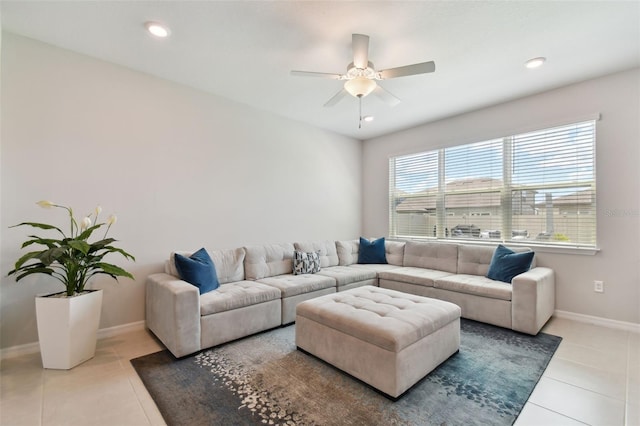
(67, 328)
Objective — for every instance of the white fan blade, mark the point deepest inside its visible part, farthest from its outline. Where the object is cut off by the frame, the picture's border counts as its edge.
(360, 45)
(386, 96)
(336, 98)
(317, 74)
(421, 68)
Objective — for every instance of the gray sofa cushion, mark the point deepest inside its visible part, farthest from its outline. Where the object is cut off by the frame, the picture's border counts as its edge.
(293, 285)
(268, 260)
(375, 267)
(345, 275)
(229, 264)
(347, 252)
(326, 249)
(474, 260)
(475, 284)
(395, 252)
(439, 256)
(236, 295)
(413, 275)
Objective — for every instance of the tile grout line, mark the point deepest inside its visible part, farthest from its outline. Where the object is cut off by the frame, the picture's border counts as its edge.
(42, 390)
(590, 348)
(130, 379)
(559, 414)
(627, 381)
(624, 400)
(601, 397)
(140, 405)
(592, 366)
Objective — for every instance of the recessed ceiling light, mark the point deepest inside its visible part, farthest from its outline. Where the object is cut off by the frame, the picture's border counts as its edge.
(368, 118)
(157, 29)
(535, 62)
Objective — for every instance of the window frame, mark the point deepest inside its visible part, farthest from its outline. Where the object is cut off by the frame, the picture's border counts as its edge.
(507, 191)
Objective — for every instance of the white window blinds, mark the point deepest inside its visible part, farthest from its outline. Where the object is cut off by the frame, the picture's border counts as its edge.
(414, 193)
(473, 189)
(537, 186)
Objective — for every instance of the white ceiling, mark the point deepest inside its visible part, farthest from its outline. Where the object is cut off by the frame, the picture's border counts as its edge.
(244, 50)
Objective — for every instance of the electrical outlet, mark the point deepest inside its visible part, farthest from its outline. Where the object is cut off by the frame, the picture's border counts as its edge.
(598, 286)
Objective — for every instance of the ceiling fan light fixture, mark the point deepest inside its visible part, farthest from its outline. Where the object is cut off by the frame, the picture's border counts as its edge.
(353, 71)
(360, 86)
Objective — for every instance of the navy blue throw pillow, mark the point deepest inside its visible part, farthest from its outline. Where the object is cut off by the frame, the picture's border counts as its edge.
(371, 251)
(199, 270)
(506, 264)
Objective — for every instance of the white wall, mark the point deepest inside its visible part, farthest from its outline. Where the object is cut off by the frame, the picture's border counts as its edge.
(181, 169)
(617, 98)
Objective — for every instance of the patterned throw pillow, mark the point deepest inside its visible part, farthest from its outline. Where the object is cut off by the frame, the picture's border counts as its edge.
(306, 263)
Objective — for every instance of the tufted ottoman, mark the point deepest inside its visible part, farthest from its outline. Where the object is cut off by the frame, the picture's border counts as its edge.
(383, 337)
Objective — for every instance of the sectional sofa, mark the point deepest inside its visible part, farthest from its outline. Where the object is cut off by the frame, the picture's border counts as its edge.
(259, 291)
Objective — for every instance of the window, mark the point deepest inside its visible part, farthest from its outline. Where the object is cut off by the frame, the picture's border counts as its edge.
(536, 186)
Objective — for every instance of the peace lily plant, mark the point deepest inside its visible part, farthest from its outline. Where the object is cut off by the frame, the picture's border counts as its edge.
(71, 259)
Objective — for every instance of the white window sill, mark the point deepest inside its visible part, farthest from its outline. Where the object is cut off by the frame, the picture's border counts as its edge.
(534, 245)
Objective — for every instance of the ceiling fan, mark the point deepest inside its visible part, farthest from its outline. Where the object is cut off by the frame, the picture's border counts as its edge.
(361, 76)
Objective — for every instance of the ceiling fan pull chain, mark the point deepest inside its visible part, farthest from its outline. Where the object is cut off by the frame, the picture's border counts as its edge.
(360, 113)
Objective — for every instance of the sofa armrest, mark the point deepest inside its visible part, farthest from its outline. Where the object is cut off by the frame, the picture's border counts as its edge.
(173, 313)
(532, 300)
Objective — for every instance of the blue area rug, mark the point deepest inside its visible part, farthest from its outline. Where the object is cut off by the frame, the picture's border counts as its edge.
(263, 379)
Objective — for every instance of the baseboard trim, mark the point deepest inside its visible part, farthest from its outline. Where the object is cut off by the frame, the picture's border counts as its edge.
(19, 350)
(604, 322)
(103, 333)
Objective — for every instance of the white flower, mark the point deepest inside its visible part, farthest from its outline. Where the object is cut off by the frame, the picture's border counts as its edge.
(98, 210)
(85, 222)
(112, 219)
(45, 204)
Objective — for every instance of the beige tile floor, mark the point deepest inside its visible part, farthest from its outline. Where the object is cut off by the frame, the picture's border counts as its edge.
(594, 378)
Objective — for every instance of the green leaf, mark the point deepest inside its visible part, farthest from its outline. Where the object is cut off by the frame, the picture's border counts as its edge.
(40, 270)
(105, 273)
(114, 270)
(87, 232)
(101, 244)
(38, 225)
(122, 252)
(26, 257)
(92, 259)
(81, 246)
(49, 256)
(49, 242)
